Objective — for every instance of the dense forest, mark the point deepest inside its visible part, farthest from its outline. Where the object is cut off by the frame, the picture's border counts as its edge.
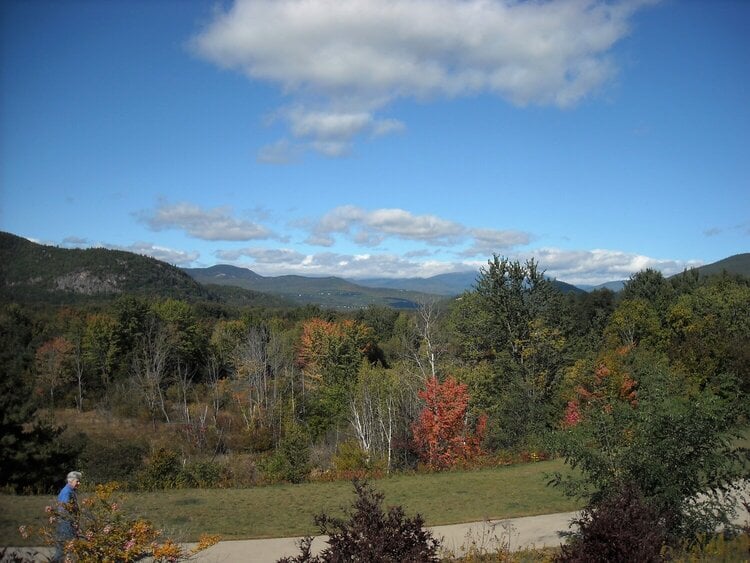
(162, 391)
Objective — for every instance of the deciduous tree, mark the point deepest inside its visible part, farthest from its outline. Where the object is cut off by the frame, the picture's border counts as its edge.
(442, 433)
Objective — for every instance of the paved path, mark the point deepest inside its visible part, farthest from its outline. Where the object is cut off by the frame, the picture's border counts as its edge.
(517, 533)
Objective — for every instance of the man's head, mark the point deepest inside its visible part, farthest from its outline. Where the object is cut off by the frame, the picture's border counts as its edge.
(74, 479)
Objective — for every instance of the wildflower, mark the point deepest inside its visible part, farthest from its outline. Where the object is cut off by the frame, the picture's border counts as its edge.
(129, 544)
(23, 531)
(48, 509)
(107, 529)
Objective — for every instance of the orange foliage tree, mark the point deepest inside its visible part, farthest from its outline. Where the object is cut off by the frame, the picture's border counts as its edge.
(442, 434)
(331, 352)
(599, 386)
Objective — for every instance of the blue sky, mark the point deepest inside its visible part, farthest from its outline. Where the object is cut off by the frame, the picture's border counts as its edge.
(364, 138)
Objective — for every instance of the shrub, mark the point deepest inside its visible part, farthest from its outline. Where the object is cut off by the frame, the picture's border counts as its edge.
(620, 528)
(371, 534)
(161, 472)
(350, 457)
(291, 461)
(106, 533)
(202, 474)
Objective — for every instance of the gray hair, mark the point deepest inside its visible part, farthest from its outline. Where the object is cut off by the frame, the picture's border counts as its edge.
(74, 475)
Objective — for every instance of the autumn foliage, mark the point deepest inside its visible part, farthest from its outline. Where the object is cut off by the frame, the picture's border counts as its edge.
(442, 434)
(329, 349)
(610, 382)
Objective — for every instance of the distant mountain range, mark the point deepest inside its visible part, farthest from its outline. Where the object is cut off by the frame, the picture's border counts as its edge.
(324, 291)
(37, 273)
(333, 291)
(445, 284)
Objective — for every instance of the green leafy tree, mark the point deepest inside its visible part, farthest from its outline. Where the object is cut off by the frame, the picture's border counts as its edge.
(639, 430)
(651, 286)
(709, 331)
(99, 349)
(635, 322)
(514, 319)
(330, 354)
(53, 366)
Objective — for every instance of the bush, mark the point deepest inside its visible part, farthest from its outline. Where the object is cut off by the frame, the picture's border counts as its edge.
(161, 472)
(291, 461)
(106, 533)
(621, 528)
(370, 534)
(350, 457)
(202, 474)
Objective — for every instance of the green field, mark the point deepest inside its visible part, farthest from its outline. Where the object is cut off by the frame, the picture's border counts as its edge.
(287, 510)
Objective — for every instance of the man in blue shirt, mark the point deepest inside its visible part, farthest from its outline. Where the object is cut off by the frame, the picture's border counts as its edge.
(67, 512)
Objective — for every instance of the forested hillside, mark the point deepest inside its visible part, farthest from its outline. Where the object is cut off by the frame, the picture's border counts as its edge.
(157, 391)
(35, 273)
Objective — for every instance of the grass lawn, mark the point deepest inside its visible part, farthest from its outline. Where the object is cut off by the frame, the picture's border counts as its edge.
(288, 510)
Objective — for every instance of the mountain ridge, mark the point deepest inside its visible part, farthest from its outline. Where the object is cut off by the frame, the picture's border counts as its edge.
(30, 271)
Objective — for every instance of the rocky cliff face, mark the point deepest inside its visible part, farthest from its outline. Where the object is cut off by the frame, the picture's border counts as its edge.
(86, 283)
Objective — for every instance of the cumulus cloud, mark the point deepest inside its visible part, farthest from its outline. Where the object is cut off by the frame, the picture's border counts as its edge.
(372, 227)
(489, 241)
(593, 267)
(331, 132)
(264, 255)
(207, 224)
(345, 60)
(169, 255)
(269, 263)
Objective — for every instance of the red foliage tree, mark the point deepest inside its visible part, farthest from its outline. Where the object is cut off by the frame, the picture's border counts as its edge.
(442, 434)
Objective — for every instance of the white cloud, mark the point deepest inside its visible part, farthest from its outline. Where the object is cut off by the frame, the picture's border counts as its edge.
(489, 241)
(332, 132)
(264, 255)
(372, 227)
(599, 266)
(207, 224)
(281, 152)
(353, 57)
(169, 255)
(349, 265)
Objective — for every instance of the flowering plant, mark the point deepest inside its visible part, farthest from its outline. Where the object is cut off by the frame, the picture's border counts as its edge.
(106, 533)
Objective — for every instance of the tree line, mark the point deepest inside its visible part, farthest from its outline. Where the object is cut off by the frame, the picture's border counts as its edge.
(503, 369)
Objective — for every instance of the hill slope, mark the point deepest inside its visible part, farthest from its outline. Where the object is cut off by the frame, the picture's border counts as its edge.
(35, 272)
(737, 264)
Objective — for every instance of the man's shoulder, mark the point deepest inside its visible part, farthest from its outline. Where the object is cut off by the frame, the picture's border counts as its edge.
(65, 494)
